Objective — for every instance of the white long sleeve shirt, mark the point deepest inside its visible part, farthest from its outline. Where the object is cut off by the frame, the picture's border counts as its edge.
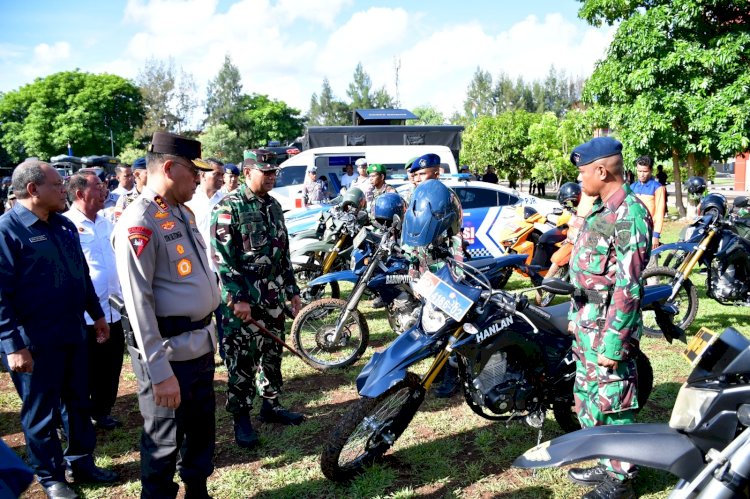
(100, 257)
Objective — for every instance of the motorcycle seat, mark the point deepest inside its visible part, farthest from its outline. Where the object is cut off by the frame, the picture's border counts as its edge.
(557, 321)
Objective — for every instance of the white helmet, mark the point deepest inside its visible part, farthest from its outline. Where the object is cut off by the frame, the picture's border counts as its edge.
(360, 162)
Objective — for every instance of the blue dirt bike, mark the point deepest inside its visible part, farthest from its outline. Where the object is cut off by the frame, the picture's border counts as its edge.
(332, 332)
(514, 360)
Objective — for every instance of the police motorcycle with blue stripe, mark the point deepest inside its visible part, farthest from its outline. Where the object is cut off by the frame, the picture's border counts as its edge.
(706, 443)
(713, 242)
(326, 248)
(515, 360)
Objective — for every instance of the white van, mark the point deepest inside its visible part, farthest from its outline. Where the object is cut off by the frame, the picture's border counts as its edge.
(332, 160)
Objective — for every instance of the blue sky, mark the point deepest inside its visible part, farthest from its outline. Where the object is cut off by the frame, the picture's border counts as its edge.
(284, 48)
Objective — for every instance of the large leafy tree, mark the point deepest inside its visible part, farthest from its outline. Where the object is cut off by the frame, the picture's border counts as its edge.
(427, 115)
(500, 141)
(41, 118)
(675, 81)
(270, 120)
(221, 142)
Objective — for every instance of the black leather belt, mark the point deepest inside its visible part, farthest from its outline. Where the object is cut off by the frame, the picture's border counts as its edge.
(583, 296)
(174, 325)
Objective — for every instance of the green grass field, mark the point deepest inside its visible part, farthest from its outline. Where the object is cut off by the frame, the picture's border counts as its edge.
(447, 451)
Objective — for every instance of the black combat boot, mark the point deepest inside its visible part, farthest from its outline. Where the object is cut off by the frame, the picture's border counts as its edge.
(196, 489)
(244, 434)
(587, 476)
(450, 383)
(272, 412)
(612, 488)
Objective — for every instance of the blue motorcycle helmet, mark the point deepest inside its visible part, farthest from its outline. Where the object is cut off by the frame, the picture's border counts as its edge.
(434, 212)
(385, 206)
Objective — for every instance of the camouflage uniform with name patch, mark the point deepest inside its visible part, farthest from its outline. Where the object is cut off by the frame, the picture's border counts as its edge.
(608, 258)
(252, 257)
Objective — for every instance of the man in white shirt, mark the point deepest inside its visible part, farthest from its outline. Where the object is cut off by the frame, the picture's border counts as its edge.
(207, 195)
(87, 193)
(362, 181)
(125, 179)
(348, 177)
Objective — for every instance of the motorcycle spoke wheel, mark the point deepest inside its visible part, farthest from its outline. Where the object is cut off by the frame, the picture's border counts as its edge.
(306, 273)
(314, 328)
(369, 429)
(686, 300)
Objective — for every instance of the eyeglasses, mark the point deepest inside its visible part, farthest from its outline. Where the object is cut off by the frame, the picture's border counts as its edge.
(269, 173)
(190, 166)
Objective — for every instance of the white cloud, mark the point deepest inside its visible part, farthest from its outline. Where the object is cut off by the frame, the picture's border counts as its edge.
(284, 48)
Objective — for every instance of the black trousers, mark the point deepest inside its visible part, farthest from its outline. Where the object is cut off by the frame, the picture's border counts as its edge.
(105, 365)
(59, 379)
(182, 438)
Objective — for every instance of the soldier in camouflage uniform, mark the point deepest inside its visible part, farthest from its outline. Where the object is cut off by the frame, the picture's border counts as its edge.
(608, 257)
(252, 256)
(377, 172)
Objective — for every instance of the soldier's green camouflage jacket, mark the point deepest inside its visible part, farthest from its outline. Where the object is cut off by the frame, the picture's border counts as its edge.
(252, 250)
(609, 255)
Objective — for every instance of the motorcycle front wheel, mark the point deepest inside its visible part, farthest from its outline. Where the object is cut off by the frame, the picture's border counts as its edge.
(369, 429)
(686, 300)
(565, 413)
(304, 273)
(314, 331)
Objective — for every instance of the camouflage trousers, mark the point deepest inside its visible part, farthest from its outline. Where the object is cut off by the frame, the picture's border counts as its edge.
(253, 360)
(604, 396)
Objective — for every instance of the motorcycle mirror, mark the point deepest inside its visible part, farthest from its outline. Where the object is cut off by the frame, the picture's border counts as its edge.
(741, 202)
(743, 414)
(396, 222)
(557, 286)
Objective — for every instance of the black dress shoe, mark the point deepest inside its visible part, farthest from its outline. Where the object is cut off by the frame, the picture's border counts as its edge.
(107, 423)
(59, 490)
(90, 475)
(612, 488)
(196, 490)
(587, 476)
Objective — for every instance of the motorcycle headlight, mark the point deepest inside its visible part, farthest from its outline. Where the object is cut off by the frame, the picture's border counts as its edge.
(433, 319)
(690, 406)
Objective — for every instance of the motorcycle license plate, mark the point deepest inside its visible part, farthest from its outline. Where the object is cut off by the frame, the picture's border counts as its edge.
(699, 344)
(443, 296)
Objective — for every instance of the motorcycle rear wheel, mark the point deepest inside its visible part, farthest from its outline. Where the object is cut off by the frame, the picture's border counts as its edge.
(369, 429)
(566, 417)
(304, 273)
(686, 300)
(313, 329)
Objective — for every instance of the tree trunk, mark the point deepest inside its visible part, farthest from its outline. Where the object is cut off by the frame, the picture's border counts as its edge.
(692, 205)
(677, 184)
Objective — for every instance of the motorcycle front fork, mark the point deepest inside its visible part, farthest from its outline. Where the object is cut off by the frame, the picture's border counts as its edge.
(440, 359)
(687, 266)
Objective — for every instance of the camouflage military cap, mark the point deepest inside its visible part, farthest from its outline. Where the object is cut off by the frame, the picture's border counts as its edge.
(254, 164)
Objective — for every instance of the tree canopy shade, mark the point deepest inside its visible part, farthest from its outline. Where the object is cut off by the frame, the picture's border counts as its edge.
(168, 97)
(675, 81)
(40, 118)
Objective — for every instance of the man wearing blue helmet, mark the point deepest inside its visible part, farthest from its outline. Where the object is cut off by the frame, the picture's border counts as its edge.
(431, 232)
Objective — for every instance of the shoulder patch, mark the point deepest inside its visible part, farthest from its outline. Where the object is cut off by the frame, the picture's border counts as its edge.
(168, 225)
(160, 214)
(139, 237)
